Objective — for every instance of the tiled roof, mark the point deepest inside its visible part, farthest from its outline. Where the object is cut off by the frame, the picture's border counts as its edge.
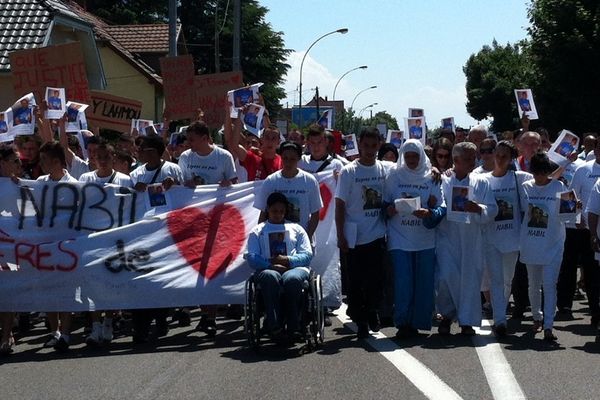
(23, 24)
(142, 38)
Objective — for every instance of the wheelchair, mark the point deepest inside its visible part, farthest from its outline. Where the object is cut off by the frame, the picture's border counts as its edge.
(312, 318)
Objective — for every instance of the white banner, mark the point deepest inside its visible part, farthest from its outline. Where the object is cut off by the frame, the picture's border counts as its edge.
(86, 247)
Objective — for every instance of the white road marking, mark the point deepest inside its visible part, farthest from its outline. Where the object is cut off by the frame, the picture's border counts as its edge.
(415, 371)
(501, 380)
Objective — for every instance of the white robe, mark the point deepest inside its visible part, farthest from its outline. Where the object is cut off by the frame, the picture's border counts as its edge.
(460, 256)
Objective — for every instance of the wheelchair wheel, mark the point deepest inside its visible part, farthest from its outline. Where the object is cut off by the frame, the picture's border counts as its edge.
(252, 315)
(317, 318)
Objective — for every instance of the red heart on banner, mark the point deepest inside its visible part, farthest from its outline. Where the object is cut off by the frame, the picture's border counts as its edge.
(326, 196)
(208, 241)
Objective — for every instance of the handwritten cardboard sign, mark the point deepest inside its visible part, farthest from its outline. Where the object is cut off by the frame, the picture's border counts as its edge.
(113, 112)
(178, 85)
(55, 66)
(210, 94)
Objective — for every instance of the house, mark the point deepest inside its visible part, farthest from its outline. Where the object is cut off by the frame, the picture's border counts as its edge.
(128, 68)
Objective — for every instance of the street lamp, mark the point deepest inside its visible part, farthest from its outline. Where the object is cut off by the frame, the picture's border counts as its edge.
(346, 73)
(342, 31)
(363, 110)
(362, 91)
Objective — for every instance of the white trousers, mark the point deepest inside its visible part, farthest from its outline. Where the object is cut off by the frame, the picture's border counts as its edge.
(501, 268)
(543, 276)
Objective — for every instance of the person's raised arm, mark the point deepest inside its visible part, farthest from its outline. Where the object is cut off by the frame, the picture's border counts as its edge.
(64, 140)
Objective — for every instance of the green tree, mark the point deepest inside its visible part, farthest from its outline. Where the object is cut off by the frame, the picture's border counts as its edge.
(565, 52)
(263, 52)
(492, 75)
(383, 117)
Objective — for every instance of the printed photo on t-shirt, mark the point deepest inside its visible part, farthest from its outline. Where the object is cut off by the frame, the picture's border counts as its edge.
(505, 209)
(372, 199)
(460, 197)
(568, 202)
(538, 216)
(198, 180)
(293, 210)
(277, 245)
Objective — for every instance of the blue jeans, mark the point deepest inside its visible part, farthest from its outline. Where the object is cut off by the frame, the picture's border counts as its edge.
(273, 284)
(413, 287)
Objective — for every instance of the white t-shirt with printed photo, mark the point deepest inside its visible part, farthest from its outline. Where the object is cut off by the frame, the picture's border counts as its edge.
(168, 170)
(406, 232)
(583, 181)
(118, 179)
(207, 170)
(542, 232)
(301, 191)
(361, 188)
(503, 233)
(307, 164)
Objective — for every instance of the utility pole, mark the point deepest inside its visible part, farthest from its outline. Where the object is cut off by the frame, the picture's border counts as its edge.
(172, 28)
(317, 101)
(237, 34)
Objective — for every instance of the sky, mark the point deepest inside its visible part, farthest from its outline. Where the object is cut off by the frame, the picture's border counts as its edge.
(414, 49)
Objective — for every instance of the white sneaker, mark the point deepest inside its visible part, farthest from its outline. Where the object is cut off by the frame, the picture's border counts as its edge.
(53, 340)
(95, 338)
(107, 330)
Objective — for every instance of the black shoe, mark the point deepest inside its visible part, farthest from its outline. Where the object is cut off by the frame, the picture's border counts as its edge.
(467, 330)
(234, 311)
(594, 321)
(363, 331)
(327, 320)
(598, 338)
(500, 330)
(208, 326)
(549, 336)
(444, 327)
(183, 318)
(24, 323)
(374, 323)
(405, 332)
(140, 339)
(62, 345)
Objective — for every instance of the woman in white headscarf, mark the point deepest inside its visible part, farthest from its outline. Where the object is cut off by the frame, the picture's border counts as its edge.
(415, 203)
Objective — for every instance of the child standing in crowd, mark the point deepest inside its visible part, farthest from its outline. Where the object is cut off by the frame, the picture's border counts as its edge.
(542, 241)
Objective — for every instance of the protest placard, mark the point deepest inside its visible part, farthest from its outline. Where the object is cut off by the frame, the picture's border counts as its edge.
(19, 117)
(178, 84)
(55, 99)
(395, 137)
(113, 112)
(76, 119)
(210, 94)
(238, 98)
(253, 118)
(416, 112)
(525, 103)
(448, 123)
(350, 145)
(567, 143)
(415, 128)
(60, 66)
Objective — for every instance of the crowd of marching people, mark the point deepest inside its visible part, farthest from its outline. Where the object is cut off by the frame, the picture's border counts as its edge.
(427, 233)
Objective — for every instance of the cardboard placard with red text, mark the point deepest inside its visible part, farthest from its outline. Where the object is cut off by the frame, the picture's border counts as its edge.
(178, 85)
(210, 95)
(53, 66)
(112, 112)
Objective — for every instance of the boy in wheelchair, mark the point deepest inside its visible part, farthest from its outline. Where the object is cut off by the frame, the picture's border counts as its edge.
(280, 252)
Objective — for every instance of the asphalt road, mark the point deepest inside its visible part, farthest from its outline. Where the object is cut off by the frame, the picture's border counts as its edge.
(186, 364)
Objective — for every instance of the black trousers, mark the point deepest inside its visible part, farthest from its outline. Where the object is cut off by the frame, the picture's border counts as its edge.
(142, 319)
(578, 252)
(365, 278)
(520, 288)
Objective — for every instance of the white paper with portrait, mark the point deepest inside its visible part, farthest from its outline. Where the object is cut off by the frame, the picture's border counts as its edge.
(566, 143)
(56, 103)
(457, 202)
(76, 119)
(253, 118)
(238, 98)
(415, 129)
(525, 103)
(350, 145)
(20, 116)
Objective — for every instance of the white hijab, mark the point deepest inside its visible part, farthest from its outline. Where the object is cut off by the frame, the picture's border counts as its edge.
(423, 170)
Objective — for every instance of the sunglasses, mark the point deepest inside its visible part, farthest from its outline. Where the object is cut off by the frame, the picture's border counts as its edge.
(488, 150)
(440, 155)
